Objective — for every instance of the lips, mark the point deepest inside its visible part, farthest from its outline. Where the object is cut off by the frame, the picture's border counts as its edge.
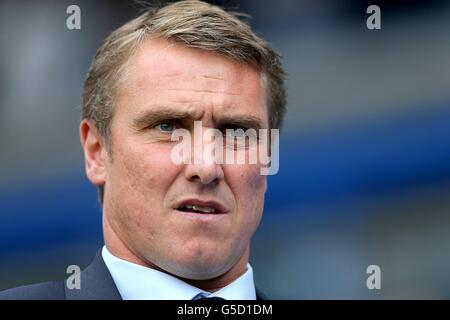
(201, 207)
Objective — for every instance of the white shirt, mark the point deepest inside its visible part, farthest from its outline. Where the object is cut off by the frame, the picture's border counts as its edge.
(136, 282)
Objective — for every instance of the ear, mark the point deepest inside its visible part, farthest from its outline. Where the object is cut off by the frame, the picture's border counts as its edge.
(95, 154)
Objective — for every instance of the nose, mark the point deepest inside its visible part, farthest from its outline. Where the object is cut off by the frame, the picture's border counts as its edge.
(205, 173)
(204, 167)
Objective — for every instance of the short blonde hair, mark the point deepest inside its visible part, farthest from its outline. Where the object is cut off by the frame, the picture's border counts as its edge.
(193, 24)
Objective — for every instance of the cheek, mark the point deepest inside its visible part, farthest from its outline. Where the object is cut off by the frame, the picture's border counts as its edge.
(252, 182)
(248, 187)
(144, 172)
(139, 177)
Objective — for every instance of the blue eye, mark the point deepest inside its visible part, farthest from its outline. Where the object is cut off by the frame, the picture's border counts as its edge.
(166, 127)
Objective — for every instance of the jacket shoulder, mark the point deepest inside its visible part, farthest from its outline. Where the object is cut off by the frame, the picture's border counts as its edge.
(40, 291)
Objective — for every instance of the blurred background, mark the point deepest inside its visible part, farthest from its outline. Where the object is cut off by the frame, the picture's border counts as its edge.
(364, 157)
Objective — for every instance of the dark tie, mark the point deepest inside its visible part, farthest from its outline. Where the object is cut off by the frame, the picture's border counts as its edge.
(203, 296)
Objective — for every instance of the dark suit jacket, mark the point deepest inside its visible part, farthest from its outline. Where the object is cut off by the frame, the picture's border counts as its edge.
(96, 284)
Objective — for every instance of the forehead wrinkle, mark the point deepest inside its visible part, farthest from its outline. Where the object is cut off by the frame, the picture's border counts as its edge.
(213, 77)
(204, 91)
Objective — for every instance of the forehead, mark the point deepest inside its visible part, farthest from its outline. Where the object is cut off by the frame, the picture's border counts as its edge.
(165, 73)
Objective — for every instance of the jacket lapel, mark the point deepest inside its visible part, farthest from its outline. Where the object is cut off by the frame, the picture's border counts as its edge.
(260, 296)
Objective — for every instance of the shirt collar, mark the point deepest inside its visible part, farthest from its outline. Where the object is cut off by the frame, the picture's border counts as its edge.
(136, 282)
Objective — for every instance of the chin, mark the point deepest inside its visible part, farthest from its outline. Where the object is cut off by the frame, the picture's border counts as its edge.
(206, 266)
(199, 273)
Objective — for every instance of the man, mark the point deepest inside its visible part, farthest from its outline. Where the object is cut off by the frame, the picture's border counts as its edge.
(173, 230)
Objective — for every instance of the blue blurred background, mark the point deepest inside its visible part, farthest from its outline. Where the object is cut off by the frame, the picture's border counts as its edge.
(364, 157)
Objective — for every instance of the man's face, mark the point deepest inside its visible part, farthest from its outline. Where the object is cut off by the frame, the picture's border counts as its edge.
(168, 87)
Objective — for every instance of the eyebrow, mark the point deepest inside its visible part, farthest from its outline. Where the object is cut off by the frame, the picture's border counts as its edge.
(239, 121)
(154, 116)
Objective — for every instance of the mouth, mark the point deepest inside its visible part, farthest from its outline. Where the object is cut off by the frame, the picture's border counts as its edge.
(201, 207)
